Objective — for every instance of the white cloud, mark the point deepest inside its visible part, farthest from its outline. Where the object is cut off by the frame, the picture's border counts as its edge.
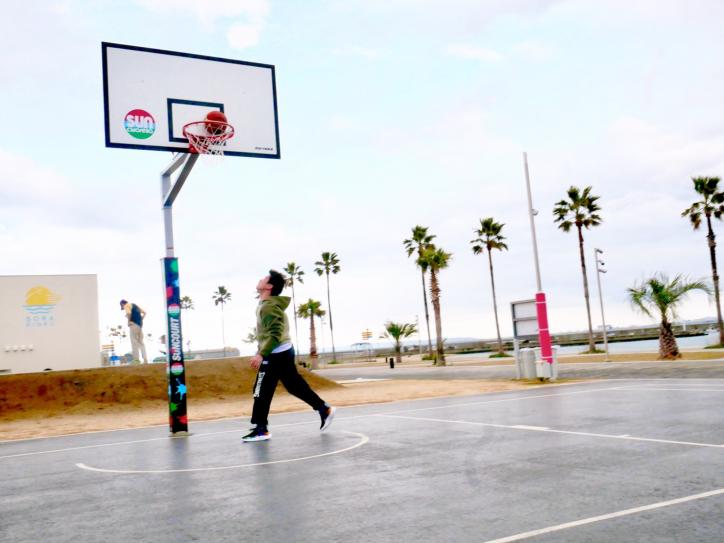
(533, 50)
(244, 35)
(249, 16)
(474, 53)
(664, 154)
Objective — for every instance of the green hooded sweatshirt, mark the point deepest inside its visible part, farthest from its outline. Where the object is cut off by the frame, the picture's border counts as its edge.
(272, 326)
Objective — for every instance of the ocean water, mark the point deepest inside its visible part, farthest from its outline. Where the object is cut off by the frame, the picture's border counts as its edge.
(639, 346)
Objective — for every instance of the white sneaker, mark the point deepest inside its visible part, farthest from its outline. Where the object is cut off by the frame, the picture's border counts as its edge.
(327, 415)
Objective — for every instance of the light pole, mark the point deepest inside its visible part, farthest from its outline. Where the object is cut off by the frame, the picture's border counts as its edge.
(544, 336)
(599, 270)
(419, 337)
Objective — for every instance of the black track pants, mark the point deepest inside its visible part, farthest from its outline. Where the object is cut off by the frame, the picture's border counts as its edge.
(275, 368)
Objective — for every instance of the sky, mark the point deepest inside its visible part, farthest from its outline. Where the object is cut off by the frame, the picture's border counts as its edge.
(392, 114)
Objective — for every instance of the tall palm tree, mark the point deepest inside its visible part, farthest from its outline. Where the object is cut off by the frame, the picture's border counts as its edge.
(490, 237)
(711, 204)
(420, 241)
(580, 210)
(328, 264)
(309, 310)
(294, 275)
(397, 331)
(662, 295)
(222, 297)
(187, 304)
(435, 259)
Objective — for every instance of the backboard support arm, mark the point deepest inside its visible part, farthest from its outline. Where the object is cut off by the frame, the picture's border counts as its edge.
(175, 366)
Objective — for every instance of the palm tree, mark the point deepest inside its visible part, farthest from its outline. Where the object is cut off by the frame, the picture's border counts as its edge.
(328, 264)
(661, 295)
(711, 203)
(251, 336)
(294, 275)
(420, 241)
(186, 304)
(309, 310)
(397, 331)
(581, 211)
(490, 237)
(435, 259)
(222, 297)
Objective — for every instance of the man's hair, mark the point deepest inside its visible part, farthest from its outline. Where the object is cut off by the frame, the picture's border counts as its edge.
(277, 281)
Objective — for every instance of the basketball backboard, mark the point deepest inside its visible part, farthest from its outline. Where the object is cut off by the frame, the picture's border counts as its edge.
(150, 94)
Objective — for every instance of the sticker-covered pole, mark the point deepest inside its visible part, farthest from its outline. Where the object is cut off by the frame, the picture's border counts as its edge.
(175, 368)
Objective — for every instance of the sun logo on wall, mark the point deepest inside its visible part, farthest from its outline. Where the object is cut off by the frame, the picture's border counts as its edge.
(39, 304)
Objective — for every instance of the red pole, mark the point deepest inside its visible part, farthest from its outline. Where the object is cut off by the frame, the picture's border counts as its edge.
(544, 336)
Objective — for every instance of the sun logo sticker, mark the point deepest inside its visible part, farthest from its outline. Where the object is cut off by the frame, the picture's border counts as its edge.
(140, 124)
(39, 305)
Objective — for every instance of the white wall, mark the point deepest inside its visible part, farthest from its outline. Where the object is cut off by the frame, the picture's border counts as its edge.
(48, 321)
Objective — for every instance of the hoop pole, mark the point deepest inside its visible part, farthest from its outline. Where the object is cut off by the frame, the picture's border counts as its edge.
(175, 366)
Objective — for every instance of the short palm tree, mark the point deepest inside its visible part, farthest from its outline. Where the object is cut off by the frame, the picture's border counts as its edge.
(251, 336)
(580, 210)
(661, 295)
(397, 331)
(434, 260)
(309, 310)
(328, 264)
(710, 205)
(490, 238)
(222, 297)
(294, 275)
(187, 304)
(420, 241)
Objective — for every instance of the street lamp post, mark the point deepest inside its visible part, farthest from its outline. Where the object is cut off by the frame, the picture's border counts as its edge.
(599, 270)
(544, 336)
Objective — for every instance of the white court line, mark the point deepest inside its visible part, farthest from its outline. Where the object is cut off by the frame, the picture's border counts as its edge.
(641, 389)
(292, 423)
(274, 415)
(363, 439)
(465, 404)
(236, 430)
(550, 430)
(468, 404)
(617, 514)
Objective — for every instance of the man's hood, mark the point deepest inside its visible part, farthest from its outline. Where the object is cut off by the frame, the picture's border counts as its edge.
(282, 302)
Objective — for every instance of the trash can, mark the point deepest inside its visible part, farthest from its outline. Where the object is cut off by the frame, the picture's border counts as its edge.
(527, 363)
(543, 369)
(392, 363)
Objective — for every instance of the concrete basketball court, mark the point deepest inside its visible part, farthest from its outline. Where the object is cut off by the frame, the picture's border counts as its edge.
(613, 460)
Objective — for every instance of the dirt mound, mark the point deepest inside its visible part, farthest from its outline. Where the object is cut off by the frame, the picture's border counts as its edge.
(72, 390)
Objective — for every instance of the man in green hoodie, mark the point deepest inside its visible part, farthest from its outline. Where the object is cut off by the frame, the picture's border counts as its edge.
(275, 359)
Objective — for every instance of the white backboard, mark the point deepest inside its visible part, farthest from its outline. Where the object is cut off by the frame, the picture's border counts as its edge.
(150, 94)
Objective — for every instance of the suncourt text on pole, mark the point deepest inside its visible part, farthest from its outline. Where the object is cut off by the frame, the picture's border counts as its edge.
(175, 367)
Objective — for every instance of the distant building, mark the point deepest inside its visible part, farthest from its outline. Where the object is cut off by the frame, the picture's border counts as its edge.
(48, 322)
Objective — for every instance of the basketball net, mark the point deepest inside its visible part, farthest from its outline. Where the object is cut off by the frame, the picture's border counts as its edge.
(208, 137)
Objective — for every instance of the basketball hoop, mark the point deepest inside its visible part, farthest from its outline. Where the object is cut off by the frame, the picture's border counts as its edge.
(208, 137)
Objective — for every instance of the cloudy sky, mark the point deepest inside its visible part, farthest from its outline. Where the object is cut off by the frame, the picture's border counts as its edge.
(392, 113)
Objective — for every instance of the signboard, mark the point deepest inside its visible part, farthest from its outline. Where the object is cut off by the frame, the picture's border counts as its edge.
(525, 319)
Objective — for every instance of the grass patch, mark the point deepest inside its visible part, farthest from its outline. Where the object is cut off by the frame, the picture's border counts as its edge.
(592, 351)
(717, 346)
(500, 355)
